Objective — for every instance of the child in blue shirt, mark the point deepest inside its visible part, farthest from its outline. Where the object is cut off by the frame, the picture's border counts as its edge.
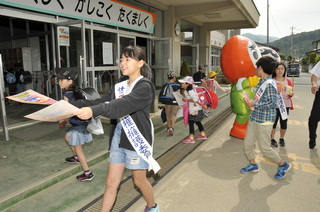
(77, 134)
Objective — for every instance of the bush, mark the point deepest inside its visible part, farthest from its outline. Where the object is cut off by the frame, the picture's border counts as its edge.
(317, 59)
(185, 69)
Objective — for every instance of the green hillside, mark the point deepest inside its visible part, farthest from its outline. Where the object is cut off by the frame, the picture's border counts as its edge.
(259, 38)
(301, 43)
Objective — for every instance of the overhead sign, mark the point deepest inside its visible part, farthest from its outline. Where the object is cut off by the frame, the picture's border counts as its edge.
(110, 12)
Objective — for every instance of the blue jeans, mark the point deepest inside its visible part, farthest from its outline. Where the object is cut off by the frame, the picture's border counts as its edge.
(121, 155)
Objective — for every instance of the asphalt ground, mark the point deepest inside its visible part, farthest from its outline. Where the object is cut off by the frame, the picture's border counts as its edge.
(209, 179)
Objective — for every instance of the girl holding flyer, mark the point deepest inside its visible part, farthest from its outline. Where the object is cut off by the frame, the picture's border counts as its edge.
(130, 104)
(284, 86)
(195, 111)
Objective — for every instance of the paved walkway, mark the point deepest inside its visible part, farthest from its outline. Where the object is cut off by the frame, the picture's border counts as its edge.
(206, 180)
(209, 179)
(34, 163)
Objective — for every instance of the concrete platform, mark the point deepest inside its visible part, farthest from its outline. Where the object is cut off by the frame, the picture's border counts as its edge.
(36, 177)
(209, 179)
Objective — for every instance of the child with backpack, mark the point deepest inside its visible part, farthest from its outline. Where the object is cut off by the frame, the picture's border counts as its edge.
(166, 97)
(212, 83)
(195, 110)
(77, 134)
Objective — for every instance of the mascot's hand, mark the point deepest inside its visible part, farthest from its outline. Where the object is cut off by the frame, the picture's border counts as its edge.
(253, 81)
(239, 83)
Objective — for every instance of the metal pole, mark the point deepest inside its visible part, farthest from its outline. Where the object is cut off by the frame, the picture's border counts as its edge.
(268, 23)
(2, 103)
(83, 62)
(291, 48)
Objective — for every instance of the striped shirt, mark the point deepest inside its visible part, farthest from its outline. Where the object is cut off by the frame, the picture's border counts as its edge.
(265, 108)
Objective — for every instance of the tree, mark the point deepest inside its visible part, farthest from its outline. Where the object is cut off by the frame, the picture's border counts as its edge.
(312, 57)
(289, 58)
(317, 59)
(185, 69)
(304, 61)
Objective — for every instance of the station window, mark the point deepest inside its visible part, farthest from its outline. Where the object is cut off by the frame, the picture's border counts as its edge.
(104, 45)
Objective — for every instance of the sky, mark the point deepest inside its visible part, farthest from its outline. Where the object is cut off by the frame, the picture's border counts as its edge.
(286, 17)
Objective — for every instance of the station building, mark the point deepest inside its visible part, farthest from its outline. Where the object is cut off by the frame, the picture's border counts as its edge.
(41, 36)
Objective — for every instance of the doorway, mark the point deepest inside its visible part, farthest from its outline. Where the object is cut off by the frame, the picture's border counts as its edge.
(160, 59)
(190, 54)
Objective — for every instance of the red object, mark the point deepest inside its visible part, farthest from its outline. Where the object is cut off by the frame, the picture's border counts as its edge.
(206, 97)
(239, 130)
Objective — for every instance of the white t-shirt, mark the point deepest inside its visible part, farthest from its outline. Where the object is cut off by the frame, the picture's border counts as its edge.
(129, 88)
(316, 71)
(193, 106)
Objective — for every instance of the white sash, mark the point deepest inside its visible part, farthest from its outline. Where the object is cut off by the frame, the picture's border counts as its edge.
(280, 102)
(137, 140)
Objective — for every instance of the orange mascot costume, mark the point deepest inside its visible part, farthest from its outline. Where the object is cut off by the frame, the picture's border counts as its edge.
(238, 58)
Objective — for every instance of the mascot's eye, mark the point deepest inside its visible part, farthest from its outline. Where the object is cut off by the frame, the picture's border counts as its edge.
(266, 51)
(275, 55)
(255, 55)
(253, 51)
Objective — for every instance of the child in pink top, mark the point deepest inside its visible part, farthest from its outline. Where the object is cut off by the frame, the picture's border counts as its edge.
(212, 83)
(284, 86)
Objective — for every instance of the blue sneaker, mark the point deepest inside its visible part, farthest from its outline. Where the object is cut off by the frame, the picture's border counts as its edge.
(282, 171)
(250, 168)
(152, 209)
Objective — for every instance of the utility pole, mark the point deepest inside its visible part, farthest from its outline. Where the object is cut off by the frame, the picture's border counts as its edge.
(268, 23)
(291, 48)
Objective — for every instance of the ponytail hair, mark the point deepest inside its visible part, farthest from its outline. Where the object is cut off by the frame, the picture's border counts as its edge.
(135, 52)
(146, 71)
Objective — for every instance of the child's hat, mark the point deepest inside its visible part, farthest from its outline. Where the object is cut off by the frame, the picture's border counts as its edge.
(212, 74)
(66, 73)
(172, 74)
(186, 79)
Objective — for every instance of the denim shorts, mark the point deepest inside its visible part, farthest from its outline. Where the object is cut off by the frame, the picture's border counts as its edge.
(79, 135)
(120, 155)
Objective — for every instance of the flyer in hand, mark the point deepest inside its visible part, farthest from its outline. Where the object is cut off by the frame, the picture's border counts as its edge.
(282, 88)
(55, 112)
(178, 98)
(32, 97)
(247, 98)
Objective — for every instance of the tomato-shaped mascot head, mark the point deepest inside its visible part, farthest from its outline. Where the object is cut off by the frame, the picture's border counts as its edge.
(238, 58)
(267, 51)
